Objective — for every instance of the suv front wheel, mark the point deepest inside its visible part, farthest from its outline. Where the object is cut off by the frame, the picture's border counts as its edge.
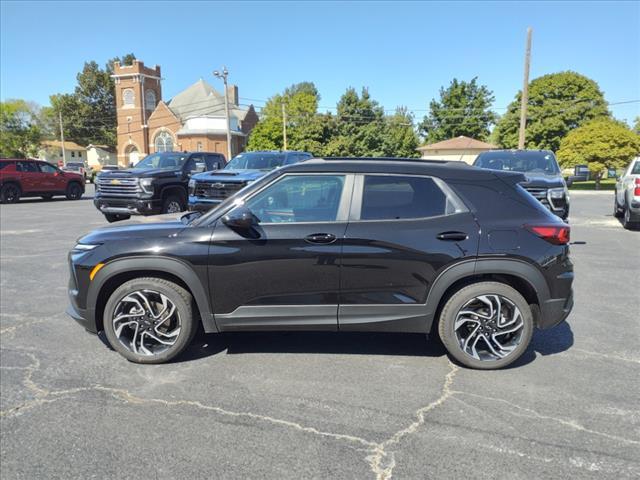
(149, 320)
(486, 325)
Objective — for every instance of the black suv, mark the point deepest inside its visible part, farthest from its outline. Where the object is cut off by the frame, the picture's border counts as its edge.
(156, 184)
(207, 190)
(543, 178)
(387, 245)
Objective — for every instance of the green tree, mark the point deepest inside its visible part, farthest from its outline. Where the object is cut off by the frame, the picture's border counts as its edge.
(558, 103)
(20, 129)
(89, 113)
(636, 125)
(399, 136)
(464, 108)
(601, 144)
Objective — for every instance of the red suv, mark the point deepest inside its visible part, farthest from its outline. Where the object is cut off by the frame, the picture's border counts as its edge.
(35, 178)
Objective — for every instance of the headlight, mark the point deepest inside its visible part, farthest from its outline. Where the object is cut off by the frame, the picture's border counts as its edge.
(147, 184)
(84, 247)
(557, 192)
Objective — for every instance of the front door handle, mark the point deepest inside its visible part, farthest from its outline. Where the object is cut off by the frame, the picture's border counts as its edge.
(452, 236)
(321, 238)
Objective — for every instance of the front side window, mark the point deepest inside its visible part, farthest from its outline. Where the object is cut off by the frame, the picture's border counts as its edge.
(164, 142)
(299, 198)
(46, 168)
(396, 198)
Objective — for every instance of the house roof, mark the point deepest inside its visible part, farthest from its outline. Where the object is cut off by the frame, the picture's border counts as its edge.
(58, 144)
(201, 99)
(458, 143)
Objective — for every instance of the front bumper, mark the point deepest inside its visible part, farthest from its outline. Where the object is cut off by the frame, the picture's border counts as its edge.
(84, 317)
(202, 204)
(127, 206)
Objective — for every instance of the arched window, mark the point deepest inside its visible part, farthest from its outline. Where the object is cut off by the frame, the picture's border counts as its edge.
(163, 142)
(150, 99)
(128, 97)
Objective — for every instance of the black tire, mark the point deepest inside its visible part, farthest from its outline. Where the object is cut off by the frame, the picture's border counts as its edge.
(627, 220)
(467, 294)
(617, 211)
(74, 191)
(47, 197)
(10, 193)
(116, 217)
(173, 204)
(183, 302)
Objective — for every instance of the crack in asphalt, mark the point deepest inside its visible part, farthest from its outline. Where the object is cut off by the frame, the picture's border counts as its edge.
(381, 456)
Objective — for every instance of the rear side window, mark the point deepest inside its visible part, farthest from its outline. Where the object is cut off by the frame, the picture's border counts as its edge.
(636, 168)
(4, 165)
(397, 198)
(27, 167)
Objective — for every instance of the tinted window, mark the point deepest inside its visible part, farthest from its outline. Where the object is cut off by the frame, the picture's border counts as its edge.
(165, 161)
(256, 161)
(46, 168)
(299, 198)
(636, 168)
(214, 162)
(27, 167)
(393, 198)
(542, 162)
(5, 164)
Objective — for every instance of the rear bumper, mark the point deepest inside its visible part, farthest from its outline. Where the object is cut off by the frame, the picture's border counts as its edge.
(127, 206)
(555, 311)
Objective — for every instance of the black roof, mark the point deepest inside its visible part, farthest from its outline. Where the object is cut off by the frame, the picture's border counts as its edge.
(415, 166)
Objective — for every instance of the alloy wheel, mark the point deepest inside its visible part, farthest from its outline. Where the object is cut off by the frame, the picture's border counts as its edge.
(146, 322)
(174, 207)
(489, 327)
(10, 194)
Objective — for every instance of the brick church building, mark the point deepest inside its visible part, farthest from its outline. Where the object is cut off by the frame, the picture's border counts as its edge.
(193, 120)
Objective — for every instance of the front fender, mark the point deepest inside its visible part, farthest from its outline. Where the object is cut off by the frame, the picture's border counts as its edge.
(150, 265)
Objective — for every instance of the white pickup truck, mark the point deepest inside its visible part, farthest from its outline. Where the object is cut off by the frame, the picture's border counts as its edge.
(626, 203)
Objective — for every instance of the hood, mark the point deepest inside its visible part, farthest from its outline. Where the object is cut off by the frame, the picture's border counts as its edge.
(229, 176)
(534, 179)
(133, 173)
(131, 230)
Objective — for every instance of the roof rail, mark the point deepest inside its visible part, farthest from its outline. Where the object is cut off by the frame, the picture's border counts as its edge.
(384, 159)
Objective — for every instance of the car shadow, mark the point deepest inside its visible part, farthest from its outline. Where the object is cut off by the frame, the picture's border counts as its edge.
(345, 343)
(547, 342)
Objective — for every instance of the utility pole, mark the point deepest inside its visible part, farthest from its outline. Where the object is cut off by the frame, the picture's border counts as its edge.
(64, 156)
(525, 92)
(284, 124)
(223, 75)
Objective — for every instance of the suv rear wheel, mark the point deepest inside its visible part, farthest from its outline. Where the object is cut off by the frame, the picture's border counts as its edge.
(486, 325)
(149, 320)
(10, 193)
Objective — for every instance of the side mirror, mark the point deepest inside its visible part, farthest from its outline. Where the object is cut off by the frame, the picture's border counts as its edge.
(240, 218)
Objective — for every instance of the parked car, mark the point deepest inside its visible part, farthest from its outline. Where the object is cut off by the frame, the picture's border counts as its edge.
(206, 190)
(626, 201)
(35, 178)
(157, 184)
(79, 168)
(543, 178)
(393, 245)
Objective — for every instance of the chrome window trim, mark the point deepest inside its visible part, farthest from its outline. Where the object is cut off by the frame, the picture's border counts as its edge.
(356, 202)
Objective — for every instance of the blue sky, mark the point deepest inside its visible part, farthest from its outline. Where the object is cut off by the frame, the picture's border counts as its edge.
(404, 52)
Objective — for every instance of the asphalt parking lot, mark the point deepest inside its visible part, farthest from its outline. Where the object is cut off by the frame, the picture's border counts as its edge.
(293, 405)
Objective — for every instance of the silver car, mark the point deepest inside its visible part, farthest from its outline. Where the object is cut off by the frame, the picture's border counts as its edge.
(627, 196)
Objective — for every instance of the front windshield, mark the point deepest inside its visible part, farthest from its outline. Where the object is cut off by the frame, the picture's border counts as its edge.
(542, 162)
(164, 161)
(256, 161)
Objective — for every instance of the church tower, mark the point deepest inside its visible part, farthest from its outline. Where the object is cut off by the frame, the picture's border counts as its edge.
(138, 91)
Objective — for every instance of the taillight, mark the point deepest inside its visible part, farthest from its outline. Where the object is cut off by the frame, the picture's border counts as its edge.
(556, 234)
(636, 191)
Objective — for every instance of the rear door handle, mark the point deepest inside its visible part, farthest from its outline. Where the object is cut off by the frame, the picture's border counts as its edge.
(452, 236)
(321, 238)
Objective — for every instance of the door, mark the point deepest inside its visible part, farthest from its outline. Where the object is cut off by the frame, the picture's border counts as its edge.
(53, 180)
(283, 272)
(30, 176)
(403, 232)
